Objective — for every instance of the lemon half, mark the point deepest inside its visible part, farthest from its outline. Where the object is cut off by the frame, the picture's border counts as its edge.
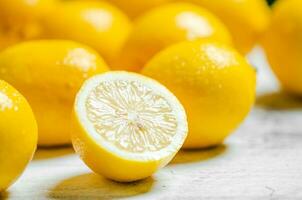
(126, 125)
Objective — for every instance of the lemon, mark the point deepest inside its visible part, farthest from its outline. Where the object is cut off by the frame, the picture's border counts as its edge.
(49, 73)
(126, 126)
(167, 25)
(20, 20)
(283, 44)
(97, 24)
(213, 82)
(18, 11)
(246, 19)
(18, 134)
(134, 8)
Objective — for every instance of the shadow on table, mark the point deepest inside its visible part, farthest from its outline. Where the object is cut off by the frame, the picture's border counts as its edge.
(93, 186)
(51, 152)
(4, 195)
(198, 155)
(279, 101)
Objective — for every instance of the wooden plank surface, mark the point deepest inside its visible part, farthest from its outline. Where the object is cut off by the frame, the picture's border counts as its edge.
(261, 160)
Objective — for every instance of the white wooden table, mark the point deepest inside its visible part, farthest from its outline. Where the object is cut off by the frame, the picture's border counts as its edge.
(261, 160)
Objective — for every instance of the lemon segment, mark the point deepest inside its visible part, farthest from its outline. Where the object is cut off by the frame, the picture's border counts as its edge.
(125, 119)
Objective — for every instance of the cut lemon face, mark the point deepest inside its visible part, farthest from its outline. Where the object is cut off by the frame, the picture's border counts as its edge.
(126, 125)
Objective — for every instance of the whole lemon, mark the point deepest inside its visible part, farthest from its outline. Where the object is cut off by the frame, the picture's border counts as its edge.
(283, 44)
(167, 25)
(20, 20)
(18, 134)
(97, 24)
(246, 19)
(135, 8)
(214, 83)
(49, 73)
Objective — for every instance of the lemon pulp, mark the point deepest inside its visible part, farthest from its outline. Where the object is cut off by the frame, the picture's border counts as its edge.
(131, 117)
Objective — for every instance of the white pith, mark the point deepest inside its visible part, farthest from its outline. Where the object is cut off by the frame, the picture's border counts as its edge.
(124, 129)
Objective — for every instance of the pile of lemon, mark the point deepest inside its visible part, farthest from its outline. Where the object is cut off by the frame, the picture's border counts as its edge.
(181, 79)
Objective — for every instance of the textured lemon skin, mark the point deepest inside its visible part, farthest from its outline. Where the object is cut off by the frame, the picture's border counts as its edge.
(19, 20)
(213, 82)
(97, 24)
(135, 8)
(49, 73)
(167, 25)
(18, 134)
(283, 44)
(246, 19)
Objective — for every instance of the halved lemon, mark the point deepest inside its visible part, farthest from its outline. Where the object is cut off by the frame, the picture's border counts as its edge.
(126, 126)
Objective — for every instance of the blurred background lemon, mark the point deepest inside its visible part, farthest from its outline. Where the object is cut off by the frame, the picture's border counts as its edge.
(95, 23)
(18, 134)
(20, 19)
(283, 44)
(104, 27)
(167, 25)
(245, 19)
(135, 8)
(49, 73)
(214, 83)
